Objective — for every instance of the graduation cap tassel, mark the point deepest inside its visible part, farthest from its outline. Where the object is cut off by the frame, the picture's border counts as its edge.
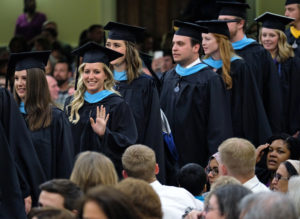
(77, 72)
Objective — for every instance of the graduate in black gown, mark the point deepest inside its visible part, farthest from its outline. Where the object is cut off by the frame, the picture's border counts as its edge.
(258, 60)
(292, 9)
(249, 119)
(101, 120)
(20, 169)
(274, 40)
(137, 88)
(193, 98)
(49, 128)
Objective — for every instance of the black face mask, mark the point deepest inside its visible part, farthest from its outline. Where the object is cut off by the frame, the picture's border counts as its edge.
(61, 82)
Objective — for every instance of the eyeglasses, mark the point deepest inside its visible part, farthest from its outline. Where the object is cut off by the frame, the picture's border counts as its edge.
(214, 171)
(278, 177)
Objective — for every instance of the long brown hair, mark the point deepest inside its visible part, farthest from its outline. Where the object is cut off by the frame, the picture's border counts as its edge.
(38, 101)
(226, 53)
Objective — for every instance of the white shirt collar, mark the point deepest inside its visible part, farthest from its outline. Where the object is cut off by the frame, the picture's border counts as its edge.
(197, 61)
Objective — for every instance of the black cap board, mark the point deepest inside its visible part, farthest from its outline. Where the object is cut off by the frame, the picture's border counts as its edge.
(217, 26)
(233, 8)
(288, 2)
(26, 60)
(189, 29)
(274, 21)
(119, 31)
(91, 52)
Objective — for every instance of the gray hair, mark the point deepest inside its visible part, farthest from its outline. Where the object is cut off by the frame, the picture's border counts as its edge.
(267, 205)
(294, 192)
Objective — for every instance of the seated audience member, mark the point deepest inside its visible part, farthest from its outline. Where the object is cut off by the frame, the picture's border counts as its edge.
(62, 73)
(212, 169)
(60, 193)
(107, 202)
(53, 87)
(50, 213)
(139, 162)
(96, 33)
(285, 171)
(143, 197)
(93, 169)
(238, 159)
(267, 205)
(278, 149)
(193, 178)
(294, 192)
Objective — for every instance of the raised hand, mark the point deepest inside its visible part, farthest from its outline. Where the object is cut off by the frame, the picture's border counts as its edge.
(99, 126)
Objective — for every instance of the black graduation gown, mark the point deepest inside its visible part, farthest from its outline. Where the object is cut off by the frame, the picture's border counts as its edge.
(249, 119)
(291, 40)
(16, 145)
(262, 66)
(198, 114)
(120, 131)
(290, 85)
(142, 96)
(54, 146)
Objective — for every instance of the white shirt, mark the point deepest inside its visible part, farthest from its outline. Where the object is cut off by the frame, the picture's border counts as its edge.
(197, 61)
(175, 200)
(255, 185)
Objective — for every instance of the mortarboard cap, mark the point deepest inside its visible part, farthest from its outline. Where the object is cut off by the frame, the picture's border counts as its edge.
(288, 2)
(274, 21)
(26, 60)
(233, 8)
(92, 52)
(119, 31)
(217, 26)
(189, 29)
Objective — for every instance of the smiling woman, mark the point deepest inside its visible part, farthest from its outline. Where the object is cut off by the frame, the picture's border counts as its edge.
(101, 120)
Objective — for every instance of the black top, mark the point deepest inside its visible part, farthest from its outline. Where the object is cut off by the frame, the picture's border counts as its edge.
(289, 72)
(288, 2)
(54, 146)
(119, 31)
(142, 96)
(233, 8)
(264, 70)
(120, 131)
(198, 113)
(216, 26)
(20, 167)
(189, 29)
(274, 21)
(249, 119)
(295, 43)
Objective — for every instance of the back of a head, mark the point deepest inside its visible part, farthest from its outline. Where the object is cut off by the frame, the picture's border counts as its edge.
(193, 178)
(111, 201)
(294, 192)
(143, 197)
(92, 169)
(228, 198)
(267, 205)
(139, 162)
(238, 155)
(67, 189)
(50, 213)
(223, 181)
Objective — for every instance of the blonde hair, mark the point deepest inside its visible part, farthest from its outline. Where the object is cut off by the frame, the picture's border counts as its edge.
(143, 197)
(284, 49)
(78, 99)
(226, 53)
(139, 162)
(92, 169)
(238, 155)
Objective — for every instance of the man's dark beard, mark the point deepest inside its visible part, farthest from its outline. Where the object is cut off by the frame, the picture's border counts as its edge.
(61, 82)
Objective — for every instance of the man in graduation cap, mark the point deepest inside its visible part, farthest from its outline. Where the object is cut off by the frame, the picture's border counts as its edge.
(194, 100)
(257, 58)
(292, 9)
